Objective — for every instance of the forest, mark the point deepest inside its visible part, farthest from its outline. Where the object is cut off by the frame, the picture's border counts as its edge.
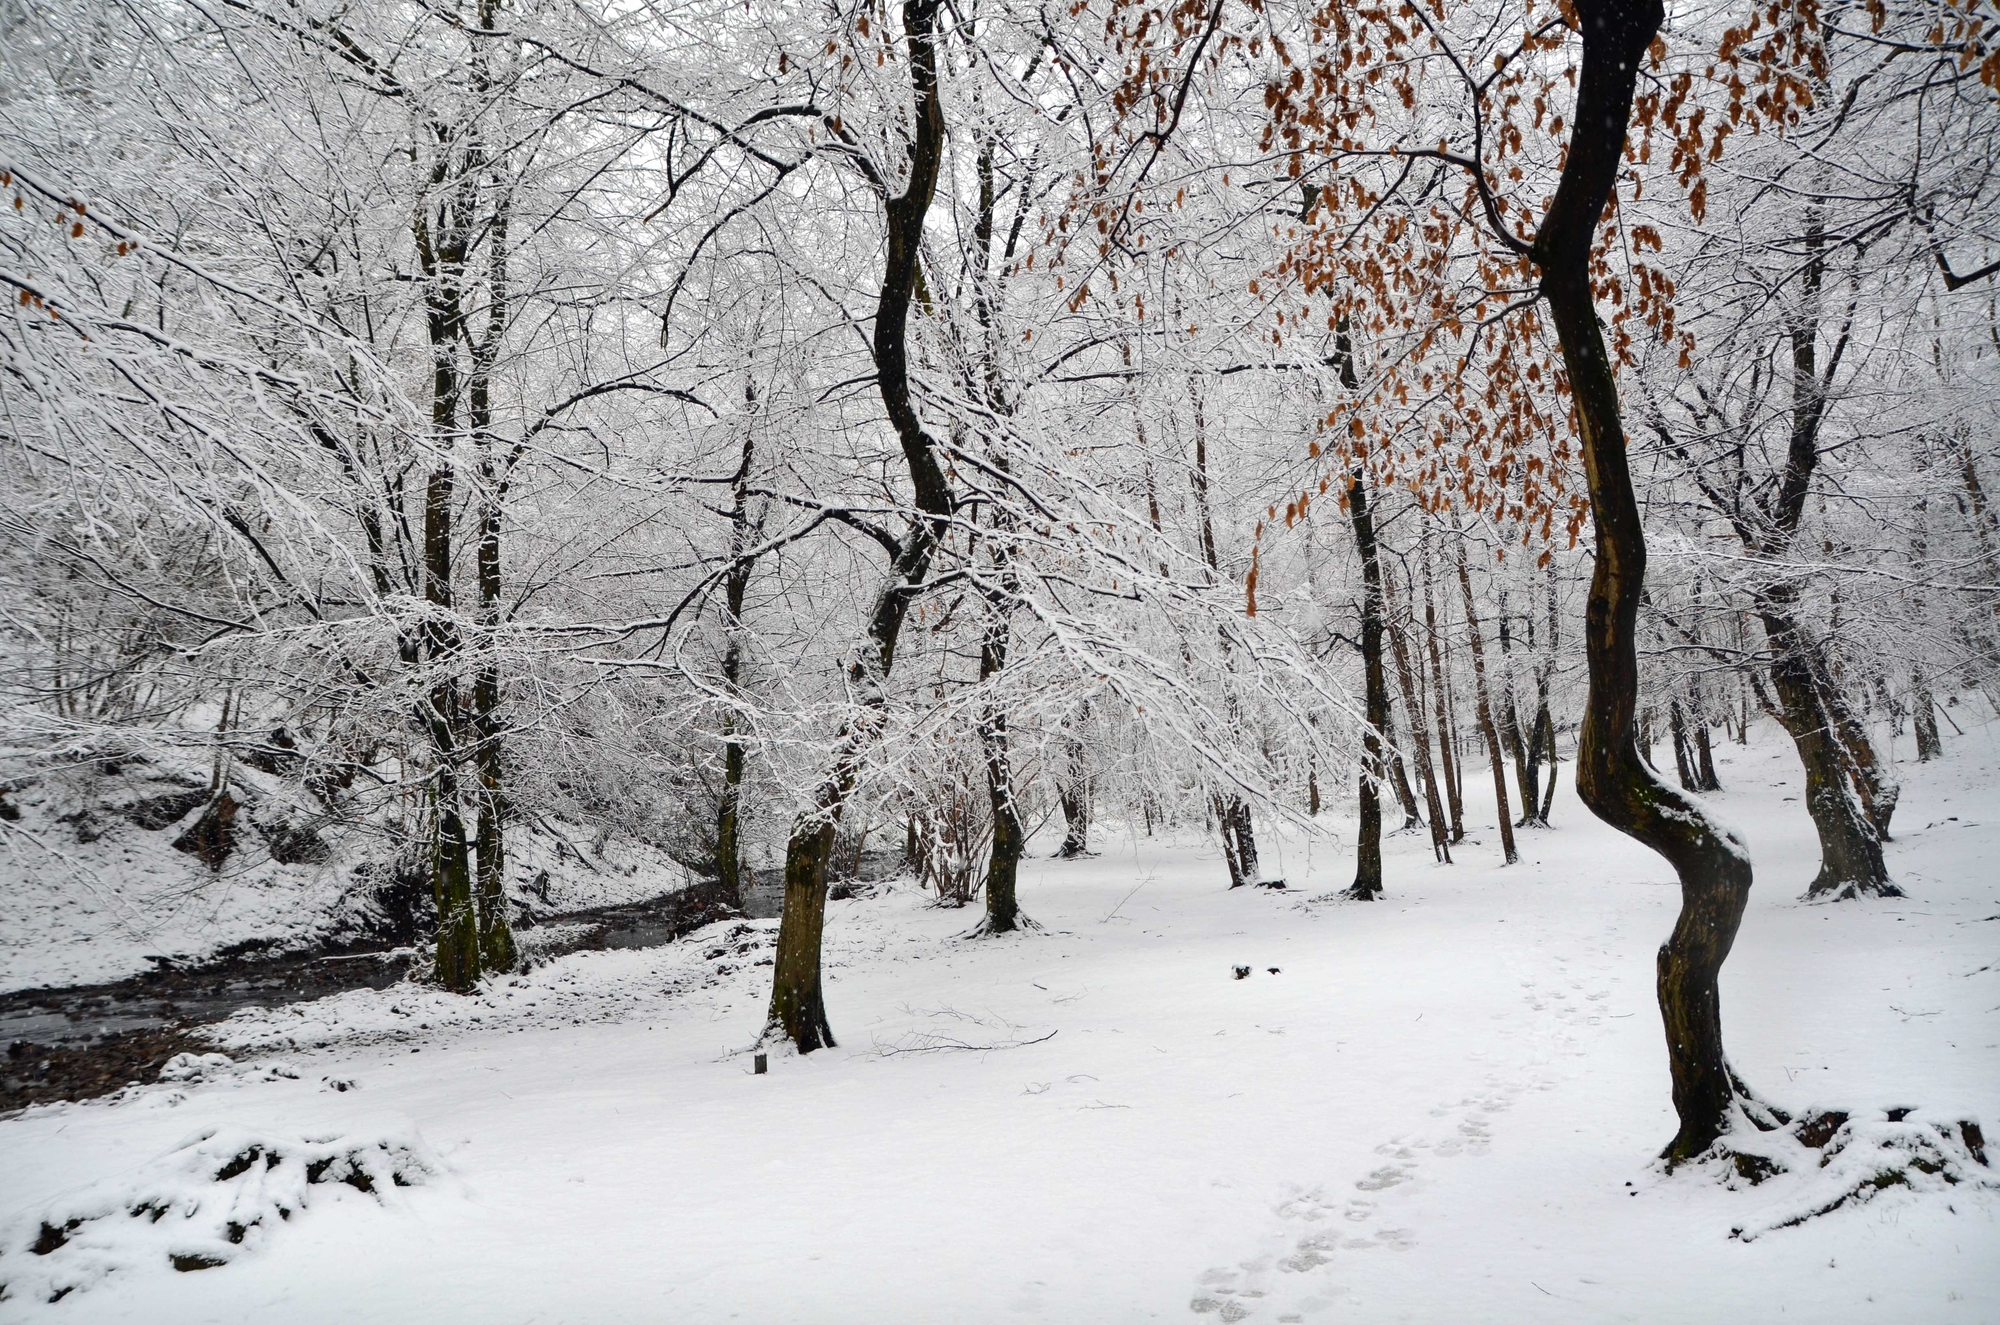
(875, 625)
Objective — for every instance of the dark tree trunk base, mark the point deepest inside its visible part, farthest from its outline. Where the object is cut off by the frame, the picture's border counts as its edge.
(798, 1006)
(1827, 888)
(987, 929)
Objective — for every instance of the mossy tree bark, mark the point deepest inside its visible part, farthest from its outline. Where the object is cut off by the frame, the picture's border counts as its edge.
(1617, 785)
(442, 248)
(798, 1006)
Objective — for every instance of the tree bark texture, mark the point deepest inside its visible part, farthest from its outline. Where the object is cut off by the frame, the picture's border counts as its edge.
(798, 1006)
(1368, 846)
(1617, 785)
(1850, 849)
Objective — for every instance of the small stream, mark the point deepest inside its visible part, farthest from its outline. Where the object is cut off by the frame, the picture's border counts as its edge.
(86, 1040)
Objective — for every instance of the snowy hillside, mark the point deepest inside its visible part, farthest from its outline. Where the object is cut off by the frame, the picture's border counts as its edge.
(1438, 1107)
(93, 886)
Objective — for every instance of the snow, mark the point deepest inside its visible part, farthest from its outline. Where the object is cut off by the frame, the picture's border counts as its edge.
(88, 895)
(1440, 1106)
(220, 1193)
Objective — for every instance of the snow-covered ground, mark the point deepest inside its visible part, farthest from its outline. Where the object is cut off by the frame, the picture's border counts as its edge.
(91, 886)
(1438, 1107)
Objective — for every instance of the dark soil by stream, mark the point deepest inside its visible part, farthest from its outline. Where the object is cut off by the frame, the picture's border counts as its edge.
(89, 1040)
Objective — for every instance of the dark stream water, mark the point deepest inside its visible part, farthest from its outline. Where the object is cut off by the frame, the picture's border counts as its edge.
(87, 1040)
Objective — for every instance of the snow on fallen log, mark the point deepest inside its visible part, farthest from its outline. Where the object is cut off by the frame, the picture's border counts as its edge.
(220, 1194)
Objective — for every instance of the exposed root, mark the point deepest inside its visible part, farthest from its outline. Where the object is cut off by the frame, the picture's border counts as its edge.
(1826, 1159)
(985, 930)
(221, 1193)
(1823, 889)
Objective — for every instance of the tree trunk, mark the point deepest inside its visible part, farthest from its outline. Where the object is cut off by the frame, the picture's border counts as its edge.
(1612, 779)
(1923, 714)
(1877, 790)
(1246, 840)
(1850, 849)
(1494, 754)
(1368, 849)
(743, 530)
(1420, 744)
(1705, 778)
(798, 1007)
(1447, 745)
(1405, 795)
(1545, 724)
(1073, 794)
(1547, 727)
(496, 933)
(1238, 831)
(458, 957)
(1225, 823)
(1683, 748)
(1521, 746)
(1003, 866)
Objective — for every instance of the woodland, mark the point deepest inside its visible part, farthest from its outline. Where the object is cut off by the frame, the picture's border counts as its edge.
(470, 466)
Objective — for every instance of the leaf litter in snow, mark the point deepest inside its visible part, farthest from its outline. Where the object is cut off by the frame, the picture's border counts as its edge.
(223, 1193)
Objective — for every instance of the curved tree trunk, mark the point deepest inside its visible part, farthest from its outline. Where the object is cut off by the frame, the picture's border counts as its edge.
(798, 1007)
(1617, 785)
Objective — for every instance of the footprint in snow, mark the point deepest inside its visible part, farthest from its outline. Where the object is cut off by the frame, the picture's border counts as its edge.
(1312, 1232)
